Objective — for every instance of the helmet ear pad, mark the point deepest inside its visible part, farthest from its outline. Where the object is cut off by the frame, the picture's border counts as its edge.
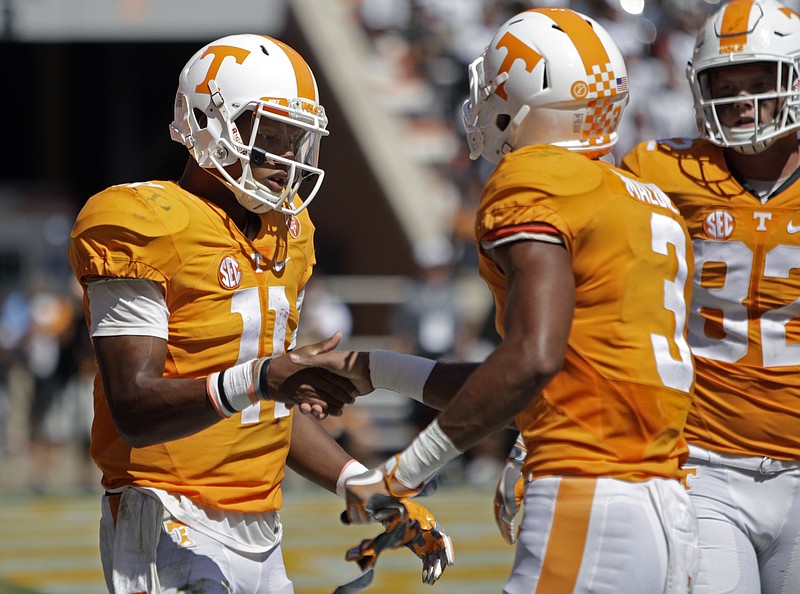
(191, 128)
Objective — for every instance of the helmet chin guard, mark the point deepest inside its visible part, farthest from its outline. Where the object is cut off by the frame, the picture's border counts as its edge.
(743, 140)
(240, 79)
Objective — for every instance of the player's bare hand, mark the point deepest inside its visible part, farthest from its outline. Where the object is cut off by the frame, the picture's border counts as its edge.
(352, 365)
(313, 390)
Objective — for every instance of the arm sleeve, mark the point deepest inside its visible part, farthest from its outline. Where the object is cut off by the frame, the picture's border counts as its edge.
(127, 307)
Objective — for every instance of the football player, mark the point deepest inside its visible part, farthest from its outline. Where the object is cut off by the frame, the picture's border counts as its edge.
(590, 269)
(192, 293)
(737, 188)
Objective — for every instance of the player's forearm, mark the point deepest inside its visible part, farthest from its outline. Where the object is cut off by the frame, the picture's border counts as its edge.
(445, 381)
(146, 407)
(425, 380)
(314, 454)
(166, 410)
(495, 393)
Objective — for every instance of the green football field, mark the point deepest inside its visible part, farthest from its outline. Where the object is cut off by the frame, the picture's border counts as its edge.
(48, 545)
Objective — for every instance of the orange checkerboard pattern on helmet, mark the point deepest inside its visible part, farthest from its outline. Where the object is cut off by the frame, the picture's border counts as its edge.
(602, 115)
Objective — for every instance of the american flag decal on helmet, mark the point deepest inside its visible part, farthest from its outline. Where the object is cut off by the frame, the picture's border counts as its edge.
(622, 84)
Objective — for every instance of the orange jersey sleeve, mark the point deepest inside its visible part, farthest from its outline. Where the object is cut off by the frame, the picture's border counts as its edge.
(618, 406)
(229, 300)
(744, 326)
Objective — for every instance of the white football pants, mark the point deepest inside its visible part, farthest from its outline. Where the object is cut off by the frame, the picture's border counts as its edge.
(748, 514)
(605, 536)
(146, 550)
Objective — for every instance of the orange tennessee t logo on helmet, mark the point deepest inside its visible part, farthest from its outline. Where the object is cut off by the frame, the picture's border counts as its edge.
(789, 13)
(517, 50)
(220, 52)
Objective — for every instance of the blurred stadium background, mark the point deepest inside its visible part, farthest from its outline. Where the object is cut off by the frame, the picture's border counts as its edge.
(89, 91)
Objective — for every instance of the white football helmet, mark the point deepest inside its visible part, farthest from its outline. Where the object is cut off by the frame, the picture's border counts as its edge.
(549, 76)
(747, 32)
(265, 78)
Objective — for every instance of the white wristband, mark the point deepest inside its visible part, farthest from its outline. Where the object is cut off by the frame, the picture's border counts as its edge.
(429, 452)
(351, 469)
(237, 387)
(406, 374)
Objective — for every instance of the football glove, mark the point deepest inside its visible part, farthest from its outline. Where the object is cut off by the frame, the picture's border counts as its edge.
(430, 543)
(406, 524)
(369, 497)
(510, 492)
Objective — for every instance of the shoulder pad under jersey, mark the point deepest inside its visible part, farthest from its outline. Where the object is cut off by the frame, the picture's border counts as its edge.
(678, 148)
(551, 170)
(693, 159)
(674, 146)
(147, 209)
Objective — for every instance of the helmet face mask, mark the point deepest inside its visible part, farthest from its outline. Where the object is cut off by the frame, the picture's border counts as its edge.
(549, 76)
(746, 39)
(724, 103)
(233, 97)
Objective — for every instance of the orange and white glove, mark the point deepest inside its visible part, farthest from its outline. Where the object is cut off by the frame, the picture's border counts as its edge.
(510, 492)
(377, 496)
(406, 524)
(371, 496)
(384, 495)
(411, 473)
(428, 541)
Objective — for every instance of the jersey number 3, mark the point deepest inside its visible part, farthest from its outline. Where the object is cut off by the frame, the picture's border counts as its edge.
(676, 373)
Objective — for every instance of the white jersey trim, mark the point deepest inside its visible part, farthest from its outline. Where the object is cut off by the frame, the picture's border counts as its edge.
(522, 236)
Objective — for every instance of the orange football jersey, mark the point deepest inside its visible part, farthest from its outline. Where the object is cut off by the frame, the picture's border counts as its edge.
(744, 327)
(618, 406)
(229, 300)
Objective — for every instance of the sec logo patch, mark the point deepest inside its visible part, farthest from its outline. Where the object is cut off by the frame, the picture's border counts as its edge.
(229, 273)
(719, 224)
(293, 225)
